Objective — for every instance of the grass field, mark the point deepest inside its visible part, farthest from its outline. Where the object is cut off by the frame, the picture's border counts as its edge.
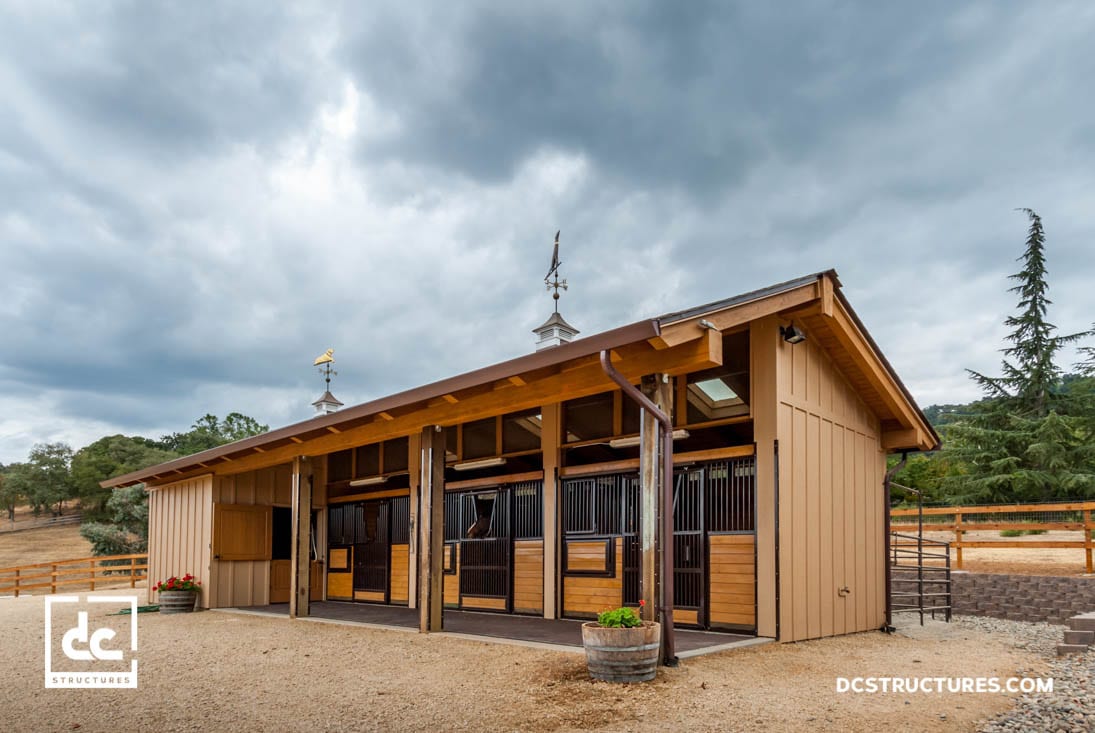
(46, 544)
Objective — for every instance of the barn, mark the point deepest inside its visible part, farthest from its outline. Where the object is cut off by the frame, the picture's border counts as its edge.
(725, 464)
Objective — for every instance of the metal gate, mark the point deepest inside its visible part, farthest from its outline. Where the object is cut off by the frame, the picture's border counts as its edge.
(486, 546)
(689, 544)
(371, 550)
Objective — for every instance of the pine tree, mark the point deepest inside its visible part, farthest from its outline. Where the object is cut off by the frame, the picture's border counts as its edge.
(1019, 443)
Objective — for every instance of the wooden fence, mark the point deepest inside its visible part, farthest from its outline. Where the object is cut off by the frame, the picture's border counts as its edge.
(1069, 516)
(85, 571)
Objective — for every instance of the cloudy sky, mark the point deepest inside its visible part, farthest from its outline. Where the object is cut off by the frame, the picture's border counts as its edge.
(194, 203)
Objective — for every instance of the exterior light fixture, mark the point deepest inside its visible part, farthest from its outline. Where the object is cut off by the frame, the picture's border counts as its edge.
(485, 463)
(634, 439)
(371, 481)
(792, 334)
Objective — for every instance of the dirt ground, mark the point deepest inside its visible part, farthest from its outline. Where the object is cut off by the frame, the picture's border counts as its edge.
(46, 544)
(213, 671)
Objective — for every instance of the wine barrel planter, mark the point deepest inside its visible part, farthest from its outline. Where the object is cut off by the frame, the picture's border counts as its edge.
(177, 601)
(621, 654)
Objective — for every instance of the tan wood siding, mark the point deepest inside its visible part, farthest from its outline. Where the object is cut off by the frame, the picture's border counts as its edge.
(280, 570)
(485, 604)
(374, 596)
(831, 505)
(733, 576)
(241, 532)
(399, 575)
(248, 582)
(180, 523)
(528, 576)
(450, 593)
(589, 595)
(340, 586)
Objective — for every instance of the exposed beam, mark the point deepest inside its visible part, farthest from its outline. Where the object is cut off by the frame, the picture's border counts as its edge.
(674, 334)
(907, 438)
(702, 353)
(450, 398)
(387, 416)
(517, 381)
(333, 429)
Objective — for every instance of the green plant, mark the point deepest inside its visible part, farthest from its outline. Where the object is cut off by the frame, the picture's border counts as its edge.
(186, 582)
(622, 617)
(1035, 531)
(1011, 532)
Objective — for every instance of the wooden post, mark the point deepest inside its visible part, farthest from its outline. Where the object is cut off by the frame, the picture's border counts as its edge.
(414, 457)
(550, 435)
(958, 539)
(431, 528)
(659, 390)
(300, 575)
(16, 582)
(53, 578)
(132, 572)
(1088, 528)
(91, 563)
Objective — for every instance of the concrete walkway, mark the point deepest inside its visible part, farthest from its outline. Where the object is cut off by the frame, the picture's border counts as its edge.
(564, 634)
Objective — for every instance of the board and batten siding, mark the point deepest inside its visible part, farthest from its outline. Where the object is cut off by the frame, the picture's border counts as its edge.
(180, 525)
(247, 582)
(831, 507)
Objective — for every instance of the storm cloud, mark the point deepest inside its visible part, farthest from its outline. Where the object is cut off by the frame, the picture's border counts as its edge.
(195, 203)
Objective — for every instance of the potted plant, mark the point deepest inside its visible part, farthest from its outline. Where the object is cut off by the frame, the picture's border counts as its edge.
(178, 595)
(621, 647)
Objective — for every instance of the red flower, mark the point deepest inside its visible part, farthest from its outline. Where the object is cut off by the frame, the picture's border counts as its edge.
(642, 603)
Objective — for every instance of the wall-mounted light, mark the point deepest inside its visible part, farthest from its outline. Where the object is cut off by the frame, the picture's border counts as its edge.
(485, 463)
(704, 323)
(792, 334)
(371, 481)
(632, 441)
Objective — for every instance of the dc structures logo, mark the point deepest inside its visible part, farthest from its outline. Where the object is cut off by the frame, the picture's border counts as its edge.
(96, 658)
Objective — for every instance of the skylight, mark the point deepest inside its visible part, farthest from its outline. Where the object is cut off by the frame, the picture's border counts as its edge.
(717, 390)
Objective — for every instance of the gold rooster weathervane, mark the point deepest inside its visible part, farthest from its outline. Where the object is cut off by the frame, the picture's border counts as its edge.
(555, 284)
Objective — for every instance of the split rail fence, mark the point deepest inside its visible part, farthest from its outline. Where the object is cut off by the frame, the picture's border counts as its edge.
(1067, 516)
(48, 577)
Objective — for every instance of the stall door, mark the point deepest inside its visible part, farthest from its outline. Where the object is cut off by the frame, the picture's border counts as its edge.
(486, 550)
(371, 552)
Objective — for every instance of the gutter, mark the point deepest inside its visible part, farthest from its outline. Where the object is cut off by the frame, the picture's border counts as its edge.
(669, 657)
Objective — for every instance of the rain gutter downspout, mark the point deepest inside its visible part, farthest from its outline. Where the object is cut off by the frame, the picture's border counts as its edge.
(669, 657)
(888, 628)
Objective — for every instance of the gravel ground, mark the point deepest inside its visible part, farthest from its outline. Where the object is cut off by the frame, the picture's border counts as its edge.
(216, 671)
(1071, 706)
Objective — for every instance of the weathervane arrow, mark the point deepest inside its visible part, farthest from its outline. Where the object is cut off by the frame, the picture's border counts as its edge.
(554, 258)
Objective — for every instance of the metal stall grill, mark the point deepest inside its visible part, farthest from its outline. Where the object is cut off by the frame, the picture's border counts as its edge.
(371, 549)
(689, 548)
(485, 558)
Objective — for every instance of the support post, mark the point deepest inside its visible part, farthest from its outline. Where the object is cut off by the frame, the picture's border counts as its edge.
(300, 577)
(414, 458)
(431, 528)
(659, 391)
(665, 425)
(550, 436)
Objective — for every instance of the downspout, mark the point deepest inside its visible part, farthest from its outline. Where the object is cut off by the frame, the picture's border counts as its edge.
(669, 656)
(888, 628)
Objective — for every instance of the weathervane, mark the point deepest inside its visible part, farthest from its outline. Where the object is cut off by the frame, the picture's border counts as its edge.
(327, 358)
(556, 283)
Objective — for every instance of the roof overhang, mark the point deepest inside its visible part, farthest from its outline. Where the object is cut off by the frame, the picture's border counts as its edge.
(676, 343)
